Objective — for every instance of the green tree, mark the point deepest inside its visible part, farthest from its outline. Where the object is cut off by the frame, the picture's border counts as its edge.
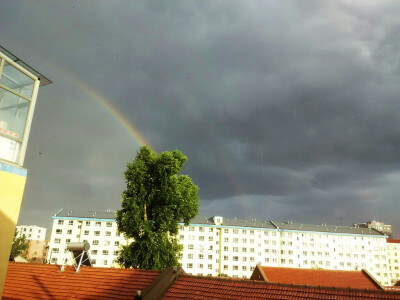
(19, 245)
(155, 201)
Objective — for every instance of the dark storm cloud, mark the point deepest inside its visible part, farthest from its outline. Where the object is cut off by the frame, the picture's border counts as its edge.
(284, 109)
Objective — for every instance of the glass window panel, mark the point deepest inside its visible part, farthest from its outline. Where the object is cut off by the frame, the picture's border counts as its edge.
(9, 149)
(13, 114)
(16, 80)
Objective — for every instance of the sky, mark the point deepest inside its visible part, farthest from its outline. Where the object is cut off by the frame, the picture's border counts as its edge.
(286, 110)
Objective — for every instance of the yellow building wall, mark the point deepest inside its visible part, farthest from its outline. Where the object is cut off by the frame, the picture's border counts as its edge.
(12, 185)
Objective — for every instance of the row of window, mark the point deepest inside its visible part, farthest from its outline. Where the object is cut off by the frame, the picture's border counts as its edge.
(93, 252)
(87, 232)
(94, 242)
(87, 223)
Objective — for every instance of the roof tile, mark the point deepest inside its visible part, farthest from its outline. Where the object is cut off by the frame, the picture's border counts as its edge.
(46, 281)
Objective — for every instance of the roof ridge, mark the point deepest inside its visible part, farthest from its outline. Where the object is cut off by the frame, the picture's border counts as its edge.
(242, 280)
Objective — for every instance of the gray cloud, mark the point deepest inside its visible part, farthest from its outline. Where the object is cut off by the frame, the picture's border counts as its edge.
(285, 110)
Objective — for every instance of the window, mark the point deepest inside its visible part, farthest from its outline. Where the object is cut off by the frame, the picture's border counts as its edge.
(236, 258)
(226, 248)
(235, 231)
(97, 233)
(201, 237)
(226, 230)
(105, 252)
(108, 233)
(201, 229)
(87, 223)
(190, 256)
(225, 257)
(54, 260)
(209, 266)
(235, 249)
(86, 232)
(106, 243)
(244, 231)
(57, 241)
(58, 231)
(94, 252)
(210, 238)
(236, 240)
(191, 228)
(70, 222)
(200, 266)
(189, 266)
(56, 250)
(235, 268)
(116, 243)
(95, 242)
(209, 257)
(97, 224)
(115, 252)
(108, 224)
(68, 241)
(190, 247)
(105, 262)
(93, 261)
(226, 239)
(210, 229)
(69, 231)
(60, 222)
(201, 256)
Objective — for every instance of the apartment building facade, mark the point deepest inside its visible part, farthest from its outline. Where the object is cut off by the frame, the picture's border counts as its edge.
(32, 232)
(35, 236)
(216, 245)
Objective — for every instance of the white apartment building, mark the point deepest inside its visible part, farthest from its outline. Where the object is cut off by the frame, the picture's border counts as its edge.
(32, 232)
(393, 250)
(216, 245)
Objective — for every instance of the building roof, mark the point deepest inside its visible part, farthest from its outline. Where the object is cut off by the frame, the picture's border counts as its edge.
(393, 241)
(251, 223)
(43, 80)
(317, 277)
(31, 281)
(86, 214)
(38, 281)
(194, 287)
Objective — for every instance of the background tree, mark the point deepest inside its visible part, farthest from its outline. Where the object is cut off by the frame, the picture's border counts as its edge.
(155, 200)
(19, 245)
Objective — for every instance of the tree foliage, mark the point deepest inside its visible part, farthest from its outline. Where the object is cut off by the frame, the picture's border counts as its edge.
(155, 201)
(19, 245)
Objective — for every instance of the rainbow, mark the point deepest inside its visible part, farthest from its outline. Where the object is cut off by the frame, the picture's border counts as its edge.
(104, 102)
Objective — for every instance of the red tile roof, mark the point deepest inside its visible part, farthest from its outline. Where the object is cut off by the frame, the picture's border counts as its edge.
(192, 287)
(327, 278)
(35, 281)
(392, 241)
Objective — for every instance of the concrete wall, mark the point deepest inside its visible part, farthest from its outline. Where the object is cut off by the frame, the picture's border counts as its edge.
(12, 184)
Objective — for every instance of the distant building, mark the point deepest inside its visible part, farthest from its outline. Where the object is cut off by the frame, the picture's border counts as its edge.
(35, 237)
(393, 251)
(32, 232)
(380, 226)
(216, 245)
